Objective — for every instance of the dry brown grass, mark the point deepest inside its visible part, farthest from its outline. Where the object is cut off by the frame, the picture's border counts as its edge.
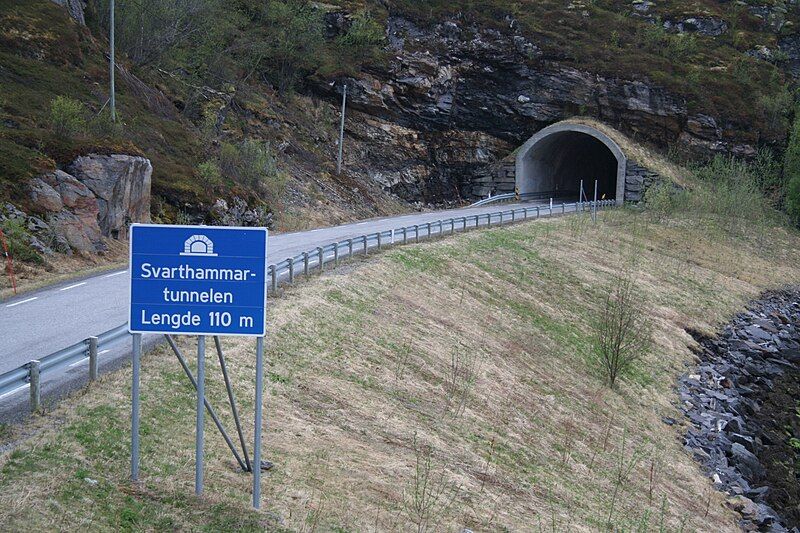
(60, 267)
(359, 362)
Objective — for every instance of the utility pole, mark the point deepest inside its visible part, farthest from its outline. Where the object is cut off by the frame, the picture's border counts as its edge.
(112, 99)
(341, 131)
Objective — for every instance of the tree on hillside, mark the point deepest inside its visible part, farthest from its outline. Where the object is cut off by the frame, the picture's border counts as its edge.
(147, 29)
(288, 41)
(791, 171)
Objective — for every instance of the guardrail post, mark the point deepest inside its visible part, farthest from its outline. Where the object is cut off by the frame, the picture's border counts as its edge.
(92, 358)
(537, 211)
(36, 392)
(366, 246)
(336, 255)
(379, 240)
(321, 257)
(350, 247)
(429, 230)
(416, 232)
(563, 208)
(291, 270)
(525, 214)
(274, 273)
(513, 215)
(305, 263)
(488, 220)
(441, 229)
(405, 235)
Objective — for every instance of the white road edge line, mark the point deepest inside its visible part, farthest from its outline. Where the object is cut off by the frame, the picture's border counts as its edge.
(22, 302)
(115, 274)
(9, 393)
(73, 286)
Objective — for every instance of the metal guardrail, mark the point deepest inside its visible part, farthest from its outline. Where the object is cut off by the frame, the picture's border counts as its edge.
(29, 374)
(512, 196)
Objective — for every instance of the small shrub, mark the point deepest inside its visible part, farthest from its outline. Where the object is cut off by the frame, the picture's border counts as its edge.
(430, 495)
(209, 172)
(793, 199)
(660, 200)
(622, 333)
(252, 163)
(67, 116)
(730, 196)
(102, 126)
(363, 39)
(18, 240)
(614, 40)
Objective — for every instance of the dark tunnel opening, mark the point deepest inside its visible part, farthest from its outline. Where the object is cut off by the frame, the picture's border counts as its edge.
(555, 164)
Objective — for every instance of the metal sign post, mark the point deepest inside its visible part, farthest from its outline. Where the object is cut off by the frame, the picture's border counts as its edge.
(259, 404)
(201, 411)
(137, 354)
(341, 131)
(113, 97)
(199, 280)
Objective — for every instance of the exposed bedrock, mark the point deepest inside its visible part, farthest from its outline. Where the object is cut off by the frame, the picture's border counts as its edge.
(742, 401)
(455, 79)
(96, 196)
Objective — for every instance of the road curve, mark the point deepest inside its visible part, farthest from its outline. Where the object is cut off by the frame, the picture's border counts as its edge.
(39, 323)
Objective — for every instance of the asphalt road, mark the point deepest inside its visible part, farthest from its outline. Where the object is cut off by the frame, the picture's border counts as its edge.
(39, 323)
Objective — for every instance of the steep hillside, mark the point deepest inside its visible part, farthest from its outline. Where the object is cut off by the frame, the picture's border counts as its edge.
(44, 55)
(462, 366)
(236, 104)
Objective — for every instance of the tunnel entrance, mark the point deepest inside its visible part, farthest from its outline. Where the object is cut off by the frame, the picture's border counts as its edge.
(555, 160)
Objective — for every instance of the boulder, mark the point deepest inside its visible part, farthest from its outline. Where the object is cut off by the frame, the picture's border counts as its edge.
(77, 220)
(121, 185)
(99, 197)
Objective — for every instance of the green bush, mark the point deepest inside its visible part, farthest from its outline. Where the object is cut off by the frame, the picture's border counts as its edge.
(730, 196)
(661, 200)
(292, 43)
(791, 171)
(209, 171)
(252, 163)
(102, 126)
(18, 240)
(793, 199)
(364, 38)
(67, 116)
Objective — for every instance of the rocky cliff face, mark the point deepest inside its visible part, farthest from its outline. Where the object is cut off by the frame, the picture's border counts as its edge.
(458, 98)
(99, 197)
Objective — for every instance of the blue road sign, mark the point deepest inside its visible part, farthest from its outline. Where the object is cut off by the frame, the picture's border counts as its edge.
(197, 280)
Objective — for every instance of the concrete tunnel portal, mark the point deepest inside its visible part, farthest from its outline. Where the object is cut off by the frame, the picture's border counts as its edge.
(553, 162)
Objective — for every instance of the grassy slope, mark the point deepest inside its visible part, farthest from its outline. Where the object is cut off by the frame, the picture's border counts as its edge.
(358, 364)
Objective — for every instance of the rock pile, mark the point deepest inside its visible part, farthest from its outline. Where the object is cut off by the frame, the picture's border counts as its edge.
(723, 398)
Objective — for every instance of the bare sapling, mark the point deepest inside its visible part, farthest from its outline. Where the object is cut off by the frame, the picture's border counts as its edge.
(430, 496)
(623, 331)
